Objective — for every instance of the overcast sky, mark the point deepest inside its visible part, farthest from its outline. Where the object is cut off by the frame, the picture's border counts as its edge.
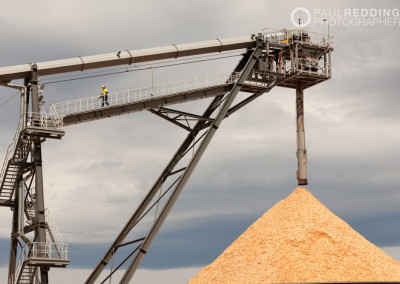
(100, 171)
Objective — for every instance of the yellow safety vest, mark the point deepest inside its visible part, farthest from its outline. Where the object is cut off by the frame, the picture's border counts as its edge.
(104, 92)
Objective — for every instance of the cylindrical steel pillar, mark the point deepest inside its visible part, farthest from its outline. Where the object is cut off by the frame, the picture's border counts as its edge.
(301, 143)
(37, 160)
(20, 199)
(14, 242)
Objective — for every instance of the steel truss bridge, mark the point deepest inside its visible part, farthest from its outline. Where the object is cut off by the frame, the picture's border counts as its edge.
(292, 59)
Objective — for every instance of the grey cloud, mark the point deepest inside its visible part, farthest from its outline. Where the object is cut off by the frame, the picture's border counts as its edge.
(98, 173)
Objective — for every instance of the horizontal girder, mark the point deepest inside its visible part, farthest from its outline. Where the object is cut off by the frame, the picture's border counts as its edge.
(126, 57)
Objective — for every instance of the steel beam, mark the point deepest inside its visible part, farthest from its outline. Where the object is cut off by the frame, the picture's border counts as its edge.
(152, 193)
(16, 205)
(14, 241)
(174, 121)
(145, 105)
(162, 112)
(253, 97)
(40, 234)
(6, 203)
(190, 168)
(180, 153)
(126, 57)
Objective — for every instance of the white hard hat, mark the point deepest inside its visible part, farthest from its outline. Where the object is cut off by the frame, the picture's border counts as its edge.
(103, 86)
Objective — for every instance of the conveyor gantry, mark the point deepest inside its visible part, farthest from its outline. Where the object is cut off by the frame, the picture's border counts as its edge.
(288, 58)
(151, 98)
(292, 59)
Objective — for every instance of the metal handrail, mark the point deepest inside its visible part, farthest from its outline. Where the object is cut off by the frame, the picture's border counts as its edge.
(53, 228)
(44, 120)
(41, 120)
(11, 148)
(39, 251)
(22, 257)
(284, 36)
(139, 94)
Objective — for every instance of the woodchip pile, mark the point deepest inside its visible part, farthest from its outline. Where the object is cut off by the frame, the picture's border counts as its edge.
(300, 240)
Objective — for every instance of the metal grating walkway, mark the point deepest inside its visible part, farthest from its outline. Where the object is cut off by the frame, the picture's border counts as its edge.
(88, 109)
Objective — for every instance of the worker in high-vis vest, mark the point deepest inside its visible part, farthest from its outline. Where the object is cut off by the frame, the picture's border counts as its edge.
(104, 96)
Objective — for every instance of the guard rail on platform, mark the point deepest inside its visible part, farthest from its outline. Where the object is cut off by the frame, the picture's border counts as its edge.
(40, 252)
(11, 148)
(33, 120)
(288, 36)
(146, 93)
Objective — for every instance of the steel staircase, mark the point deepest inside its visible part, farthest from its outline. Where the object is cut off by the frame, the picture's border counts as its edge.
(53, 253)
(33, 127)
(52, 235)
(16, 157)
(27, 274)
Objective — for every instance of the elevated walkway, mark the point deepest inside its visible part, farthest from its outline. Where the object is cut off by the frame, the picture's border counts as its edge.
(88, 109)
(289, 57)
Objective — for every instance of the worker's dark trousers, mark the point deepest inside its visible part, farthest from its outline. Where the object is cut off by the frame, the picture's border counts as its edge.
(104, 99)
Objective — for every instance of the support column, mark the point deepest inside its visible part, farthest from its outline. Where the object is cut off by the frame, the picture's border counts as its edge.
(167, 171)
(21, 197)
(37, 160)
(301, 143)
(14, 240)
(17, 219)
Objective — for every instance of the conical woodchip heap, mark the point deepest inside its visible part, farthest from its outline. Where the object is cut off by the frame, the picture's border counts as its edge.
(300, 240)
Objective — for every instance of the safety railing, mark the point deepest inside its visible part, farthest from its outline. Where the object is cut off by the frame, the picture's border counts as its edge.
(303, 36)
(318, 68)
(45, 121)
(42, 252)
(49, 251)
(40, 120)
(140, 94)
(18, 269)
(11, 148)
(53, 229)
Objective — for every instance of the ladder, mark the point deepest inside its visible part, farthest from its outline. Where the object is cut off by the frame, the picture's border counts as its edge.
(34, 127)
(16, 157)
(27, 274)
(53, 253)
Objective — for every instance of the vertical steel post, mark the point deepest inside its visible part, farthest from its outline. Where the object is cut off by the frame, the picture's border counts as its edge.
(21, 184)
(330, 63)
(291, 61)
(23, 108)
(296, 56)
(301, 144)
(266, 58)
(18, 211)
(37, 160)
(20, 199)
(14, 241)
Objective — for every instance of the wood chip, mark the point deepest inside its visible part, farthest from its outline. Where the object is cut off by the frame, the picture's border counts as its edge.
(300, 240)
